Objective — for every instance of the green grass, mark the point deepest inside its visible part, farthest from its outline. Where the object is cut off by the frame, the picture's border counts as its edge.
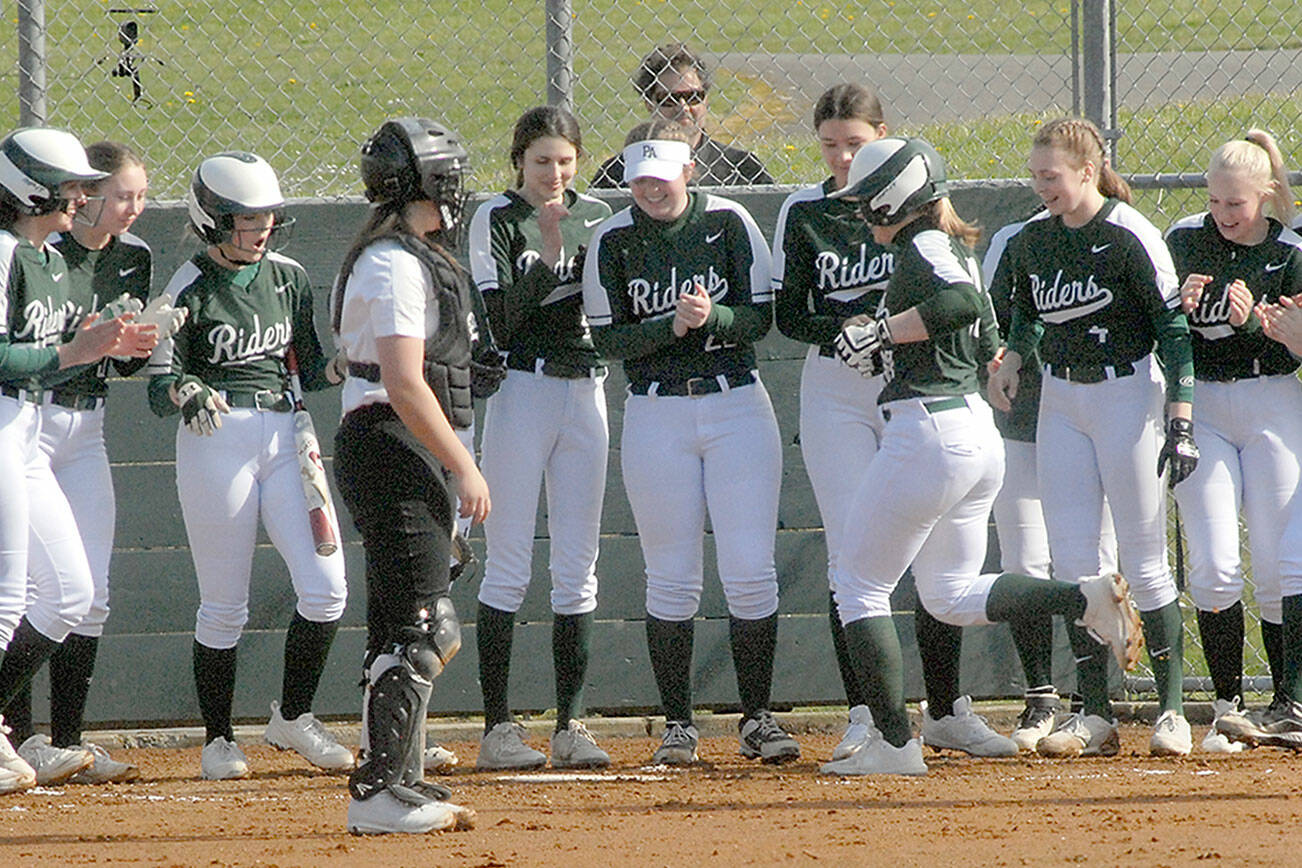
(303, 84)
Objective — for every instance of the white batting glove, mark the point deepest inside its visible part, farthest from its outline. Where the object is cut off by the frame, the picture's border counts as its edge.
(160, 313)
(336, 370)
(860, 346)
(201, 406)
(124, 303)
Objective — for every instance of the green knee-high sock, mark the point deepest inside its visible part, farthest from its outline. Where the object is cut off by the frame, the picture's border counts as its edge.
(18, 716)
(753, 645)
(1292, 641)
(876, 648)
(669, 644)
(214, 679)
(1091, 670)
(570, 638)
(940, 646)
(307, 645)
(28, 649)
(1028, 604)
(1222, 637)
(494, 630)
(1033, 639)
(1272, 640)
(71, 669)
(854, 689)
(1164, 635)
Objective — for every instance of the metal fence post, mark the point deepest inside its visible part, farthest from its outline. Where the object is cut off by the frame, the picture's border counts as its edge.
(31, 63)
(560, 54)
(1096, 63)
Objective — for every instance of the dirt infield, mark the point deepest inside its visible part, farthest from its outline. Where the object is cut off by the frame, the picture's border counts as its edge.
(1131, 809)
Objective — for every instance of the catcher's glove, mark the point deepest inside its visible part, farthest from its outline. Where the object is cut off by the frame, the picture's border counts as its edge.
(860, 346)
(1179, 451)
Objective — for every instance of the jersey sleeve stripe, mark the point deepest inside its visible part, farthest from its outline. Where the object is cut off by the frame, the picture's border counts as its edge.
(779, 259)
(761, 288)
(483, 267)
(596, 301)
(1154, 248)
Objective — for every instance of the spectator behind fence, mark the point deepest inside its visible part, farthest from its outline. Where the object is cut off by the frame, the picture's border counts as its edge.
(675, 84)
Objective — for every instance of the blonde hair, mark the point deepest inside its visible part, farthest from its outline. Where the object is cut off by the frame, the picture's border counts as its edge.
(1257, 157)
(942, 215)
(1079, 138)
(659, 129)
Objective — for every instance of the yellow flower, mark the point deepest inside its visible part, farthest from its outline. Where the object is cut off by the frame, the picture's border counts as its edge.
(931, 14)
(189, 93)
(293, 81)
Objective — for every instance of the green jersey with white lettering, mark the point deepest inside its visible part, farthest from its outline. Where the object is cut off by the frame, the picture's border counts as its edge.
(939, 275)
(826, 266)
(535, 312)
(1269, 269)
(638, 266)
(36, 310)
(1001, 271)
(239, 326)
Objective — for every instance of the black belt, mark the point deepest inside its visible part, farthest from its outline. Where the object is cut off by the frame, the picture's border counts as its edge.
(263, 399)
(554, 368)
(937, 405)
(827, 351)
(61, 397)
(695, 387)
(1091, 373)
(364, 371)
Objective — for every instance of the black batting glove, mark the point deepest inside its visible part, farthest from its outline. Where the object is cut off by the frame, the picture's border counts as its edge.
(1179, 451)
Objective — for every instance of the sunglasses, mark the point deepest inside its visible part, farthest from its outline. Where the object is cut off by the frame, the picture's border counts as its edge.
(686, 97)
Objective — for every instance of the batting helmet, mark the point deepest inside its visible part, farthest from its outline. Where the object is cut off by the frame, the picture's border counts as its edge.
(893, 176)
(409, 159)
(35, 162)
(231, 183)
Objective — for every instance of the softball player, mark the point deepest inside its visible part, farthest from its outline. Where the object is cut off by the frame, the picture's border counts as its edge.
(826, 269)
(1019, 519)
(236, 460)
(42, 330)
(677, 286)
(1249, 413)
(403, 314)
(940, 462)
(1094, 278)
(546, 422)
(104, 260)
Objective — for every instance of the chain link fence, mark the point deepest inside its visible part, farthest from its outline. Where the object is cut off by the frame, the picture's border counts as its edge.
(304, 83)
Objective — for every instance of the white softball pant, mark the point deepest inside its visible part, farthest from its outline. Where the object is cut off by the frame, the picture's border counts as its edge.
(73, 442)
(544, 429)
(246, 469)
(1249, 436)
(1019, 519)
(38, 534)
(1097, 440)
(925, 501)
(682, 456)
(841, 428)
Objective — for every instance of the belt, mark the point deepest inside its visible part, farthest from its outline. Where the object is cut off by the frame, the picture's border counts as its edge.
(1091, 373)
(695, 387)
(60, 397)
(263, 399)
(827, 351)
(554, 368)
(936, 405)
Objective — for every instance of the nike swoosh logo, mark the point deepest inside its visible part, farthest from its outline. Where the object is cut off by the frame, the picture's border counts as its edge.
(710, 239)
(1276, 266)
(282, 287)
(1099, 248)
(588, 224)
(123, 272)
(57, 277)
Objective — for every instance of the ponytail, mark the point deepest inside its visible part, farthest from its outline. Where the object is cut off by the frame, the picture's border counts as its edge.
(1257, 157)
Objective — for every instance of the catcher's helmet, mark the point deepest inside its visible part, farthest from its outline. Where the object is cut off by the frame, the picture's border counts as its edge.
(230, 183)
(409, 159)
(893, 176)
(34, 162)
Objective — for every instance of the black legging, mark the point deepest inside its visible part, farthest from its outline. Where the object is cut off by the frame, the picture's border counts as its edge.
(403, 506)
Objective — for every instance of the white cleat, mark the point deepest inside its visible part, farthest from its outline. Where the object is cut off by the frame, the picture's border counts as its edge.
(1216, 741)
(53, 765)
(439, 760)
(1171, 736)
(1081, 734)
(105, 769)
(15, 772)
(396, 809)
(309, 739)
(1036, 720)
(575, 748)
(964, 730)
(880, 757)
(1111, 617)
(859, 732)
(222, 760)
(503, 747)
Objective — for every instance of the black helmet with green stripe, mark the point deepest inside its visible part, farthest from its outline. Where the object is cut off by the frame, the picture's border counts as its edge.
(892, 177)
(35, 162)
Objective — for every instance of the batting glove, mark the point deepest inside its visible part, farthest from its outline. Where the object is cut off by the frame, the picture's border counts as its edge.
(160, 313)
(1179, 451)
(860, 346)
(336, 370)
(201, 407)
(124, 303)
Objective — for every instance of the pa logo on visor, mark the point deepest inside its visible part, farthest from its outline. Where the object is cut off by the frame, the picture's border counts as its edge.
(649, 152)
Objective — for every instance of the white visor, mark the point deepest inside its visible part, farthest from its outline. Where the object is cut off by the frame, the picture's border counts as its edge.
(656, 158)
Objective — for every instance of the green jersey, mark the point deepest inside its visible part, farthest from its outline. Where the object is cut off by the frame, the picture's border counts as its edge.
(826, 266)
(36, 310)
(1270, 269)
(938, 275)
(535, 312)
(1101, 295)
(98, 277)
(638, 266)
(1001, 270)
(239, 326)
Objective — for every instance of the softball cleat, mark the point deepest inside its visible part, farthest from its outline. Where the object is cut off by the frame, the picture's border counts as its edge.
(1111, 618)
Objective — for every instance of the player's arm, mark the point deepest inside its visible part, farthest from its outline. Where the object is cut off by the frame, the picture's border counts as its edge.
(138, 288)
(1155, 276)
(307, 343)
(615, 339)
(794, 280)
(750, 317)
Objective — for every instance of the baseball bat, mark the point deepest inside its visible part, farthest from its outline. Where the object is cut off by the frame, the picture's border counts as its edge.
(315, 489)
